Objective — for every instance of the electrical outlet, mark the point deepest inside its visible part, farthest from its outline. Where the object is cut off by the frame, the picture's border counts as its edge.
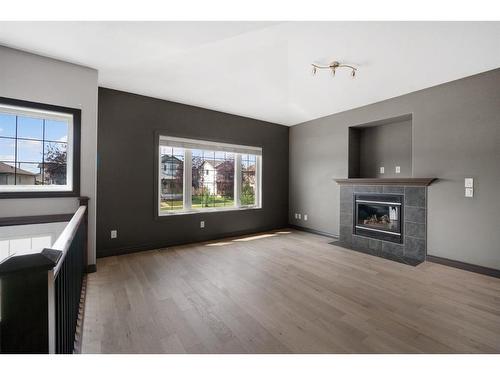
(469, 192)
(114, 233)
(398, 169)
(202, 224)
(469, 182)
(305, 217)
(382, 170)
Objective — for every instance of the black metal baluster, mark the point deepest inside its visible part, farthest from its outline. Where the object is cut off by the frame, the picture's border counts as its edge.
(69, 284)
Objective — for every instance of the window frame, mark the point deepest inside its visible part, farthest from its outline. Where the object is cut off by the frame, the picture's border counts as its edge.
(49, 111)
(203, 144)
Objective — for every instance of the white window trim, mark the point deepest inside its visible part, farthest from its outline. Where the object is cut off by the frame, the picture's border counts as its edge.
(46, 115)
(186, 143)
(238, 150)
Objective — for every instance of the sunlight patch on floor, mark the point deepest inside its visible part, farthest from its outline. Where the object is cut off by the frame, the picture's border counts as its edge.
(246, 239)
(253, 238)
(218, 244)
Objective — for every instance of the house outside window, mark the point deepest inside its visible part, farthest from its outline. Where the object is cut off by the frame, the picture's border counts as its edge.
(39, 149)
(202, 176)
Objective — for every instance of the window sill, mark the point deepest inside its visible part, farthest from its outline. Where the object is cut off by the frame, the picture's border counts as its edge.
(206, 211)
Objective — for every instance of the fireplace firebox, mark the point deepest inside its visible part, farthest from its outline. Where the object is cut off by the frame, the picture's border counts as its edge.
(379, 216)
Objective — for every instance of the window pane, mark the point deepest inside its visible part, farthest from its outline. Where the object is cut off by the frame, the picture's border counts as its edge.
(29, 151)
(248, 189)
(7, 125)
(212, 179)
(248, 169)
(56, 131)
(219, 155)
(55, 152)
(28, 174)
(7, 173)
(178, 152)
(196, 153)
(54, 173)
(172, 178)
(197, 172)
(28, 127)
(7, 149)
(225, 183)
(209, 154)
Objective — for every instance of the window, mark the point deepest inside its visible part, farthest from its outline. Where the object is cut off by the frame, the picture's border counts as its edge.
(38, 149)
(201, 176)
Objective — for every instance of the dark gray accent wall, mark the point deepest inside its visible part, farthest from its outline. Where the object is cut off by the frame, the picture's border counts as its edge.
(127, 177)
(456, 134)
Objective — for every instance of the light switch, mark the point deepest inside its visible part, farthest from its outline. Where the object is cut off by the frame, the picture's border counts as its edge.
(114, 233)
(469, 192)
(398, 169)
(469, 182)
(382, 170)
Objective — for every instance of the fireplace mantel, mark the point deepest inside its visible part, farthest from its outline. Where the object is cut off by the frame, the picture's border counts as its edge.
(408, 181)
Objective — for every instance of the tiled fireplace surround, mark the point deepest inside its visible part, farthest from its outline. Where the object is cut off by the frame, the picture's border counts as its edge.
(413, 249)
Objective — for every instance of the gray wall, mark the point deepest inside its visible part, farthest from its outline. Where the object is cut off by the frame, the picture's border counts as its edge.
(35, 78)
(126, 174)
(385, 146)
(456, 134)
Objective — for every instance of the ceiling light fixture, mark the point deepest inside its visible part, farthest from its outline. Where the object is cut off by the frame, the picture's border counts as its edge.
(333, 66)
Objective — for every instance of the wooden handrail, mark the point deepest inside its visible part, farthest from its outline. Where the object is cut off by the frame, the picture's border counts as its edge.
(66, 237)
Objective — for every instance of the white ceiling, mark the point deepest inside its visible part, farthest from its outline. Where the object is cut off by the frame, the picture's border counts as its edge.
(262, 69)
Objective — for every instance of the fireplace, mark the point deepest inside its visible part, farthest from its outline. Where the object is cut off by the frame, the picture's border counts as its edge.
(384, 217)
(379, 216)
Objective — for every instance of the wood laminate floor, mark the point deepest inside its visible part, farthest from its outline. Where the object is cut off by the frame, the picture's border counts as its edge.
(285, 292)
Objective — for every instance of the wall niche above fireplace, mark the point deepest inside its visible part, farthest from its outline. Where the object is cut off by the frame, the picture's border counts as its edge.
(384, 143)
